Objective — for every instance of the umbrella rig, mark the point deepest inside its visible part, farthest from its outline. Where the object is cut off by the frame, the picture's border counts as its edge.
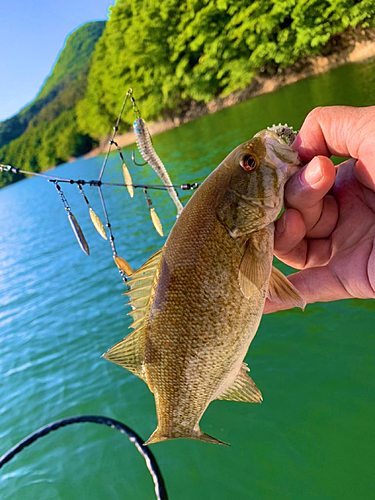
(150, 157)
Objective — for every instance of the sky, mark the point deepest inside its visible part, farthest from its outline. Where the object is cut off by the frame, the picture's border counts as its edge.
(32, 33)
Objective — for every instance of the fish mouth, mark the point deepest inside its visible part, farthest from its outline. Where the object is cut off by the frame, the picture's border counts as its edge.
(279, 153)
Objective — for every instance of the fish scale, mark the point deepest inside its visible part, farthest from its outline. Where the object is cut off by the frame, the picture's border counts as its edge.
(207, 288)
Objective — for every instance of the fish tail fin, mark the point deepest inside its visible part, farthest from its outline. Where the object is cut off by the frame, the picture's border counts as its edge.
(202, 436)
(158, 436)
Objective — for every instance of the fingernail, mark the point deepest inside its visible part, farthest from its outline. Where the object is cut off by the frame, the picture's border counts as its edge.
(312, 173)
(280, 224)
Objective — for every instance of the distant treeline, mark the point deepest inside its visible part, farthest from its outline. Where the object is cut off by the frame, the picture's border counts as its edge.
(171, 53)
(45, 133)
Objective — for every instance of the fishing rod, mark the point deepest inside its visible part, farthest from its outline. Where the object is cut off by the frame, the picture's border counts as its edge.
(152, 466)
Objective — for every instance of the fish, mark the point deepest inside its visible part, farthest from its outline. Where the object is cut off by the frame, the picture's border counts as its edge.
(198, 301)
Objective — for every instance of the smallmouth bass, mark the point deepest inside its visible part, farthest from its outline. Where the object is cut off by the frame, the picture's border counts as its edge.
(197, 302)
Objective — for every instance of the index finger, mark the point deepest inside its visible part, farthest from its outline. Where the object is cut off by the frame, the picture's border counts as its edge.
(341, 131)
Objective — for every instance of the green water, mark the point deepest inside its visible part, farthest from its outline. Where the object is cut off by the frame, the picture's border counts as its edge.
(312, 438)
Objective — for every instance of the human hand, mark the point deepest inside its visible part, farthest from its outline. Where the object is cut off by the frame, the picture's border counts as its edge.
(328, 227)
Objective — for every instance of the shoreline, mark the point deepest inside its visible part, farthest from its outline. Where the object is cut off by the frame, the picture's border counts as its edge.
(353, 46)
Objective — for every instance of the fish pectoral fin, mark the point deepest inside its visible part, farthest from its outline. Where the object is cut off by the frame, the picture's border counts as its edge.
(243, 389)
(254, 270)
(128, 353)
(282, 291)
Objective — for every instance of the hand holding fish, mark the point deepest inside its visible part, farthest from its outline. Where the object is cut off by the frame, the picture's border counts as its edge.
(328, 227)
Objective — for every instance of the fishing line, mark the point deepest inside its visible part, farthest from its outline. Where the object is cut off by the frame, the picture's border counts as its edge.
(152, 466)
(123, 266)
(115, 130)
(15, 170)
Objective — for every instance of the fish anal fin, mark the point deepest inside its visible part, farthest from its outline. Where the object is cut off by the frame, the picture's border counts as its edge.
(282, 291)
(254, 269)
(243, 389)
(129, 352)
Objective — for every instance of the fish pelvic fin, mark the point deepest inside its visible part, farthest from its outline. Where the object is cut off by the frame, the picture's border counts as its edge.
(243, 389)
(158, 436)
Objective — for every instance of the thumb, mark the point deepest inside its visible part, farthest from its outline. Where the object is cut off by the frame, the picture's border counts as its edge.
(316, 284)
(341, 131)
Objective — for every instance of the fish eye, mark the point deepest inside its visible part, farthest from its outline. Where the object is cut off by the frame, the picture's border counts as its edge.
(248, 162)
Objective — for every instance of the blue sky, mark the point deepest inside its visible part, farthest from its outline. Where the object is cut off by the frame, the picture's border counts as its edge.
(32, 34)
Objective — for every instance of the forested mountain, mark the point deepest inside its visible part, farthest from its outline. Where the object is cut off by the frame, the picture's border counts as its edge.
(172, 53)
(45, 132)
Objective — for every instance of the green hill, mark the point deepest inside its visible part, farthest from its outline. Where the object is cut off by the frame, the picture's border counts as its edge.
(45, 132)
(174, 53)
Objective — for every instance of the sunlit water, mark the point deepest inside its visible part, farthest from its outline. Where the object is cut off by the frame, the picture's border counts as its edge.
(312, 438)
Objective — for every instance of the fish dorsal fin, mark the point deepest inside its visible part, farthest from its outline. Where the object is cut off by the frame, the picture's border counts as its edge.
(254, 267)
(129, 352)
(282, 291)
(142, 286)
(243, 389)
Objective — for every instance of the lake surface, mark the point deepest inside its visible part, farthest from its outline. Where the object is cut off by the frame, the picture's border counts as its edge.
(312, 438)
